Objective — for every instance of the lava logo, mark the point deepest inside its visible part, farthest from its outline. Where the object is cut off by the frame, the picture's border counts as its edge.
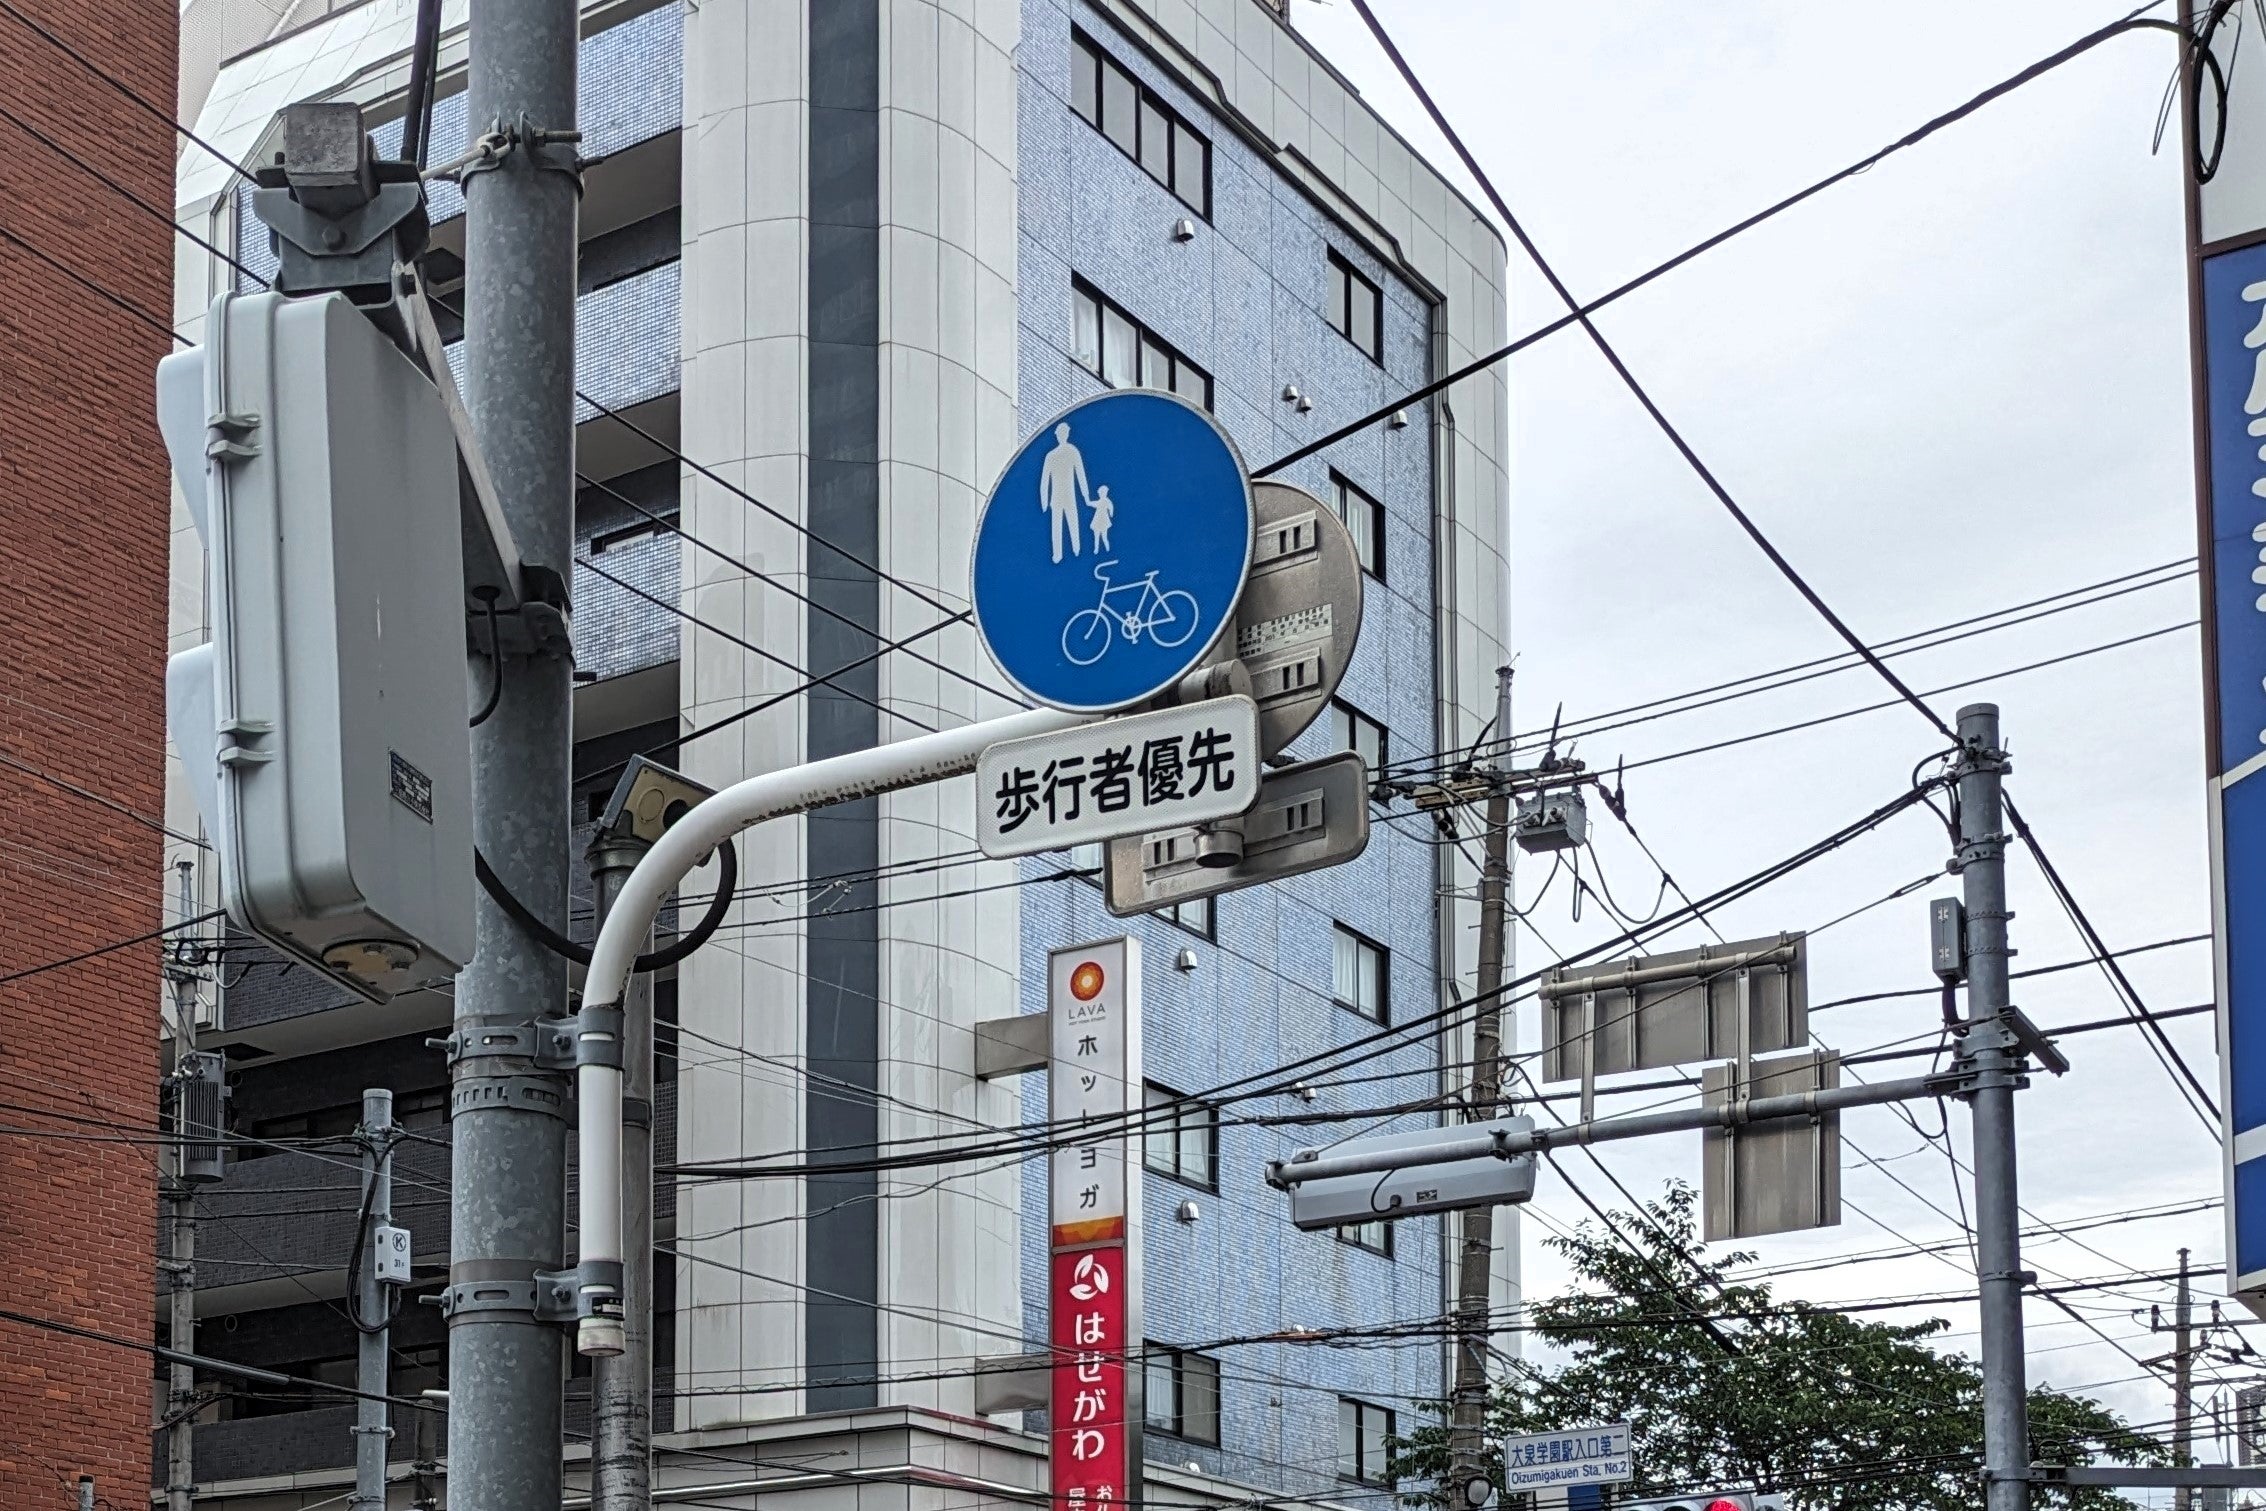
(1089, 1280)
(1086, 982)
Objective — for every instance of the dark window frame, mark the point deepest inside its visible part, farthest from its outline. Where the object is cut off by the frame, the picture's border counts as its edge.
(1172, 1167)
(1346, 495)
(1352, 1459)
(1087, 54)
(1346, 282)
(1176, 1365)
(1383, 1016)
(1144, 340)
(1350, 1234)
(1356, 722)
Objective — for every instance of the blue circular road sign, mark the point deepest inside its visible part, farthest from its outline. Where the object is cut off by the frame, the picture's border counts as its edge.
(1112, 551)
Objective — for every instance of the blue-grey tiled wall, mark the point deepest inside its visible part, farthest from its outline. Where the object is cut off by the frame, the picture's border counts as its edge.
(1245, 299)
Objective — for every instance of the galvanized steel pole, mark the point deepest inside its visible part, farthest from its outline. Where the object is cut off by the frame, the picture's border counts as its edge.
(1467, 1434)
(509, 1107)
(1994, 1059)
(621, 1385)
(181, 1231)
(373, 1432)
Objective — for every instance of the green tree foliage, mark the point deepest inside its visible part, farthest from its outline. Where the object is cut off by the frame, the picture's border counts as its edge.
(1727, 1386)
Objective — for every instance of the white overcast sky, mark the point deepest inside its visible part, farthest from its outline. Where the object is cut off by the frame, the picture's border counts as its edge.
(1950, 385)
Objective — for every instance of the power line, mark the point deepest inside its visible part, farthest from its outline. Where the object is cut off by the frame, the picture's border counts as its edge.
(1674, 704)
(119, 300)
(1578, 314)
(2036, 970)
(674, 525)
(114, 945)
(2162, 1042)
(156, 112)
(825, 679)
(1369, 1046)
(1851, 713)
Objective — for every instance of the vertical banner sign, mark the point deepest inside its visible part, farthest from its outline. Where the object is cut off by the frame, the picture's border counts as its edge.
(1094, 1269)
(2226, 219)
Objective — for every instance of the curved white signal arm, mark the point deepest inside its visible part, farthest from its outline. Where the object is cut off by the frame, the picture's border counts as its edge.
(838, 779)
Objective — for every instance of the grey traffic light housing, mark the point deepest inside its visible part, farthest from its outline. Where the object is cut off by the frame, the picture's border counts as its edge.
(323, 728)
(1419, 1183)
(356, 548)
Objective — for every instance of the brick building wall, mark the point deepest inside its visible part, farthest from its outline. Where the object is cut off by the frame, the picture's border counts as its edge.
(83, 590)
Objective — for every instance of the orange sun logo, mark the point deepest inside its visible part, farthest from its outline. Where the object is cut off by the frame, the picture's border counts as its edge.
(1086, 982)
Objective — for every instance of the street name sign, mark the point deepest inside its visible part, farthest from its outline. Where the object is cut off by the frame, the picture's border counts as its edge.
(1166, 768)
(1112, 551)
(1579, 1456)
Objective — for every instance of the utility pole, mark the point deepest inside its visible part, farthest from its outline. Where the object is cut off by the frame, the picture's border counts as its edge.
(621, 1385)
(1990, 1048)
(371, 1299)
(1467, 1474)
(2183, 1384)
(2185, 1346)
(181, 1212)
(509, 1098)
(425, 1469)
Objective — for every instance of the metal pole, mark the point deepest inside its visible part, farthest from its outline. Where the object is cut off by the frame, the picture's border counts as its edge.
(1475, 1277)
(373, 1433)
(1504, 1143)
(621, 1385)
(508, 1109)
(2183, 1385)
(181, 1205)
(86, 1492)
(744, 804)
(1990, 1050)
(424, 1485)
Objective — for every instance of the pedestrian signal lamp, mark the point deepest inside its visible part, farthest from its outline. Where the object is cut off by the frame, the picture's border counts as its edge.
(1715, 1500)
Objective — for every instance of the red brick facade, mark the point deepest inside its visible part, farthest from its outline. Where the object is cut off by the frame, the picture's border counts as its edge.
(83, 591)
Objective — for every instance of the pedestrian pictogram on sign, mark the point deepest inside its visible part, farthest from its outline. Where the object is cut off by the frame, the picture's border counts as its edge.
(1112, 551)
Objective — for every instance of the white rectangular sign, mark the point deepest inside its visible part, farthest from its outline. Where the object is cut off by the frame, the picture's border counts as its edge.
(1578, 1456)
(1162, 770)
(1094, 1004)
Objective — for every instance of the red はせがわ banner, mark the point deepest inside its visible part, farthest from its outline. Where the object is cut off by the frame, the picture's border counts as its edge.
(1087, 1420)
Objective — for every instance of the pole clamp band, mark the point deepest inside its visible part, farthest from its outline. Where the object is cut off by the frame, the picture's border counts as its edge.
(549, 1042)
(597, 1031)
(537, 1094)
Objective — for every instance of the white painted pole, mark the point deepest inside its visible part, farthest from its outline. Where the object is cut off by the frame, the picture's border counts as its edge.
(839, 779)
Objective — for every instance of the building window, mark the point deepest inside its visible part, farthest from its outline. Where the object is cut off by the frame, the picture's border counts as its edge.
(1357, 308)
(1357, 973)
(1365, 520)
(1351, 729)
(1362, 1432)
(1142, 125)
(1181, 1137)
(1181, 1394)
(1119, 350)
(614, 540)
(1194, 915)
(1375, 1235)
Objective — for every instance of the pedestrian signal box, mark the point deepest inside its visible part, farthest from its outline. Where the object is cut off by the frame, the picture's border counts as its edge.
(323, 727)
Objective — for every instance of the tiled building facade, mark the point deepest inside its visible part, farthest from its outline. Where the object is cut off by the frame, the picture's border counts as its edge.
(843, 256)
